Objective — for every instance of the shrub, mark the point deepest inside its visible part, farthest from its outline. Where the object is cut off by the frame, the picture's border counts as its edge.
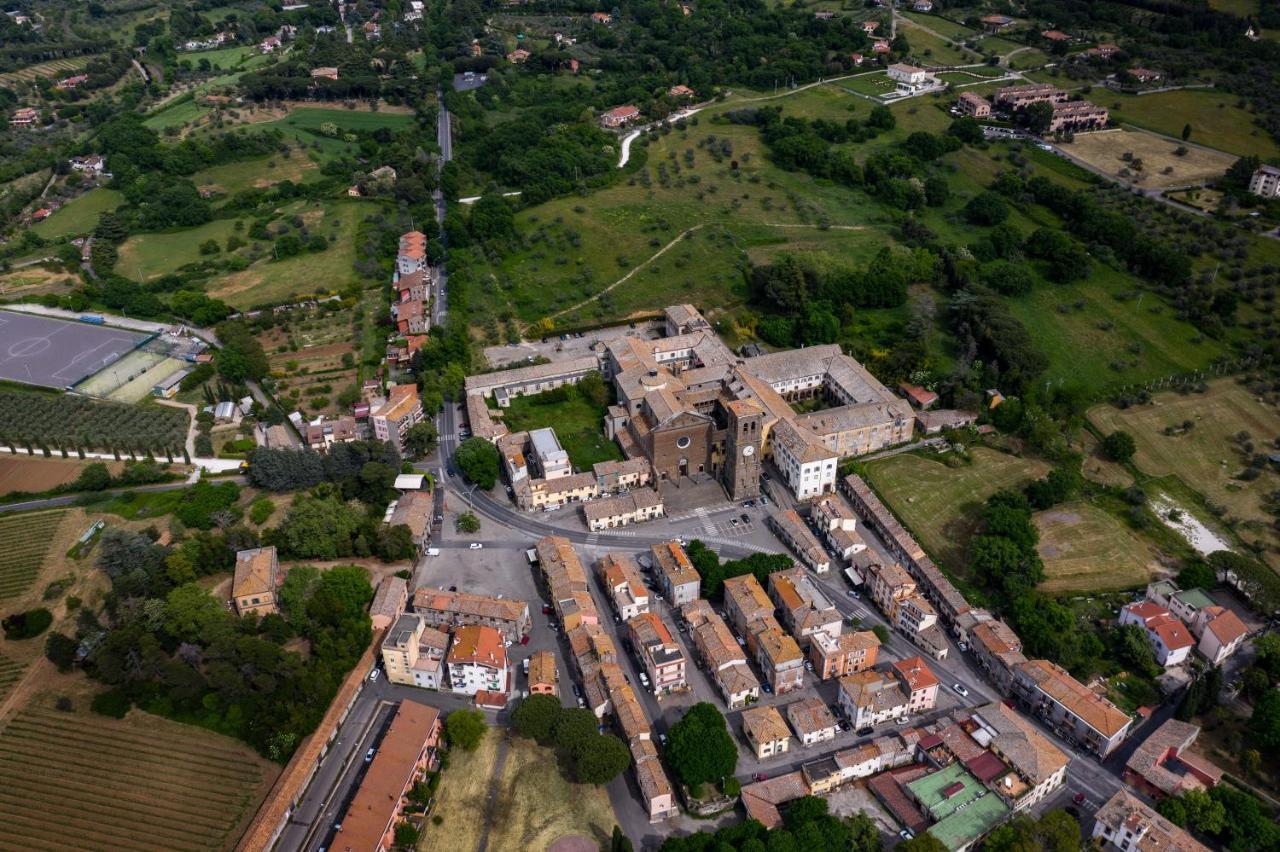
(114, 703)
(27, 625)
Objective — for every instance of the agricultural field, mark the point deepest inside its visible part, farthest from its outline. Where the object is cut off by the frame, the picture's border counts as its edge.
(1207, 456)
(32, 280)
(79, 216)
(151, 255)
(26, 536)
(94, 783)
(257, 173)
(240, 58)
(178, 113)
(929, 48)
(11, 672)
(877, 84)
(579, 425)
(1126, 344)
(1085, 549)
(55, 70)
(939, 501)
(314, 357)
(1215, 119)
(69, 421)
(1117, 152)
(24, 473)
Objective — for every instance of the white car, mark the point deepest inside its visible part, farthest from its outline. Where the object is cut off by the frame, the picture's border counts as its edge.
(960, 689)
(475, 545)
(644, 680)
(373, 675)
(901, 720)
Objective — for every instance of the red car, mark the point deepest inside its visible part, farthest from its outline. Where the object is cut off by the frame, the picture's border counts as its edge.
(1078, 798)
(524, 640)
(760, 776)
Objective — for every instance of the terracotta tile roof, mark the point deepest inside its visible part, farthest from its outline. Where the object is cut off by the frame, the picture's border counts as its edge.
(1155, 833)
(412, 729)
(915, 673)
(810, 716)
(674, 563)
(765, 725)
(1095, 711)
(1168, 743)
(255, 572)
(1225, 625)
(1021, 743)
(426, 599)
(542, 668)
(476, 644)
(390, 597)
(761, 799)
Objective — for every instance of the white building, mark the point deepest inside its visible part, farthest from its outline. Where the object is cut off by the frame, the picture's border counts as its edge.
(808, 466)
(552, 458)
(910, 79)
(1265, 182)
(1169, 637)
(477, 661)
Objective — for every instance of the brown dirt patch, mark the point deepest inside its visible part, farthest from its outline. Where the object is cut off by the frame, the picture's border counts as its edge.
(39, 474)
(1105, 150)
(35, 279)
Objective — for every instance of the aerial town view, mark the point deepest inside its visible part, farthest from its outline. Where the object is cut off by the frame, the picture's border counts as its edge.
(662, 426)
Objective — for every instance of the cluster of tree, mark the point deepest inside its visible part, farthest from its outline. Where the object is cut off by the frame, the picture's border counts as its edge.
(812, 296)
(96, 476)
(206, 505)
(26, 625)
(714, 572)
(700, 748)
(588, 756)
(163, 642)
(1231, 817)
(293, 80)
(806, 825)
(799, 144)
(321, 525)
(546, 152)
(985, 327)
(241, 357)
(1055, 831)
(1003, 556)
(478, 461)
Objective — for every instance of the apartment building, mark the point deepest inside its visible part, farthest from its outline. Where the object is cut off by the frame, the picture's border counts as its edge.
(779, 657)
(806, 611)
(808, 466)
(1221, 633)
(974, 105)
(1165, 766)
(655, 787)
(566, 581)
(998, 651)
(658, 651)
(412, 254)
(621, 578)
(766, 732)
(722, 656)
(477, 661)
(1265, 182)
(677, 577)
(451, 610)
(393, 417)
(795, 534)
(836, 522)
(1075, 712)
(1039, 765)
(413, 653)
(875, 696)
(630, 507)
(920, 683)
(406, 755)
(889, 586)
(746, 605)
(1015, 98)
(413, 510)
(844, 655)
(1075, 116)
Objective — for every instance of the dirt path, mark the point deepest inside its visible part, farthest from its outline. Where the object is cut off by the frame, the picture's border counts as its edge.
(191, 425)
(35, 675)
(491, 803)
(624, 279)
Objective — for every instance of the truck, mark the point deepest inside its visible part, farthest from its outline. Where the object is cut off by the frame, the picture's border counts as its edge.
(93, 319)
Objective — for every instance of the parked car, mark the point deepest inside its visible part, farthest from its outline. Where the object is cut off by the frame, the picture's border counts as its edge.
(902, 720)
(373, 675)
(1078, 798)
(662, 739)
(766, 688)
(368, 755)
(475, 545)
(960, 688)
(906, 834)
(866, 732)
(746, 519)
(760, 776)
(524, 640)
(644, 680)
(577, 691)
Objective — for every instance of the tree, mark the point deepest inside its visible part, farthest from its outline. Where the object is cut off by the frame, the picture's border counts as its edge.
(1038, 116)
(1264, 724)
(465, 729)
(601, 759)
(1132, 649)
(421, 438)
(864, 835)
(1197, 575)
(94, 477)
(575, 727)
(468, 523)
(1186, 132)
(478, 461)
(406, 836)
(986, 208)
(882, 633)
(536, 716)
(61, 650)
(1119, 447)
(619, 842)
(701, 750)
(1056, 831)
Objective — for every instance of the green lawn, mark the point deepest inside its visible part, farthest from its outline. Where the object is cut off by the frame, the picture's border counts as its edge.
(578, 424)
(1215, 119)
(180, 112)
(950, 29)
(940, 503)
(1028, 59)
(241, 57)
(147, 256)
(79, 216)
(867, 84)
(310, 118)
(1083, 344)
(928, 48)
(259, 172)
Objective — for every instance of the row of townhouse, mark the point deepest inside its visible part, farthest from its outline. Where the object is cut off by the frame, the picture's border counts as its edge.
(1178, 621)
(651, 640)
(594, 655)
(1042, 687)
(721, 655)
(769, 736)
(896, 594)
(956, 778)
(751, 612)
(473, 661)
